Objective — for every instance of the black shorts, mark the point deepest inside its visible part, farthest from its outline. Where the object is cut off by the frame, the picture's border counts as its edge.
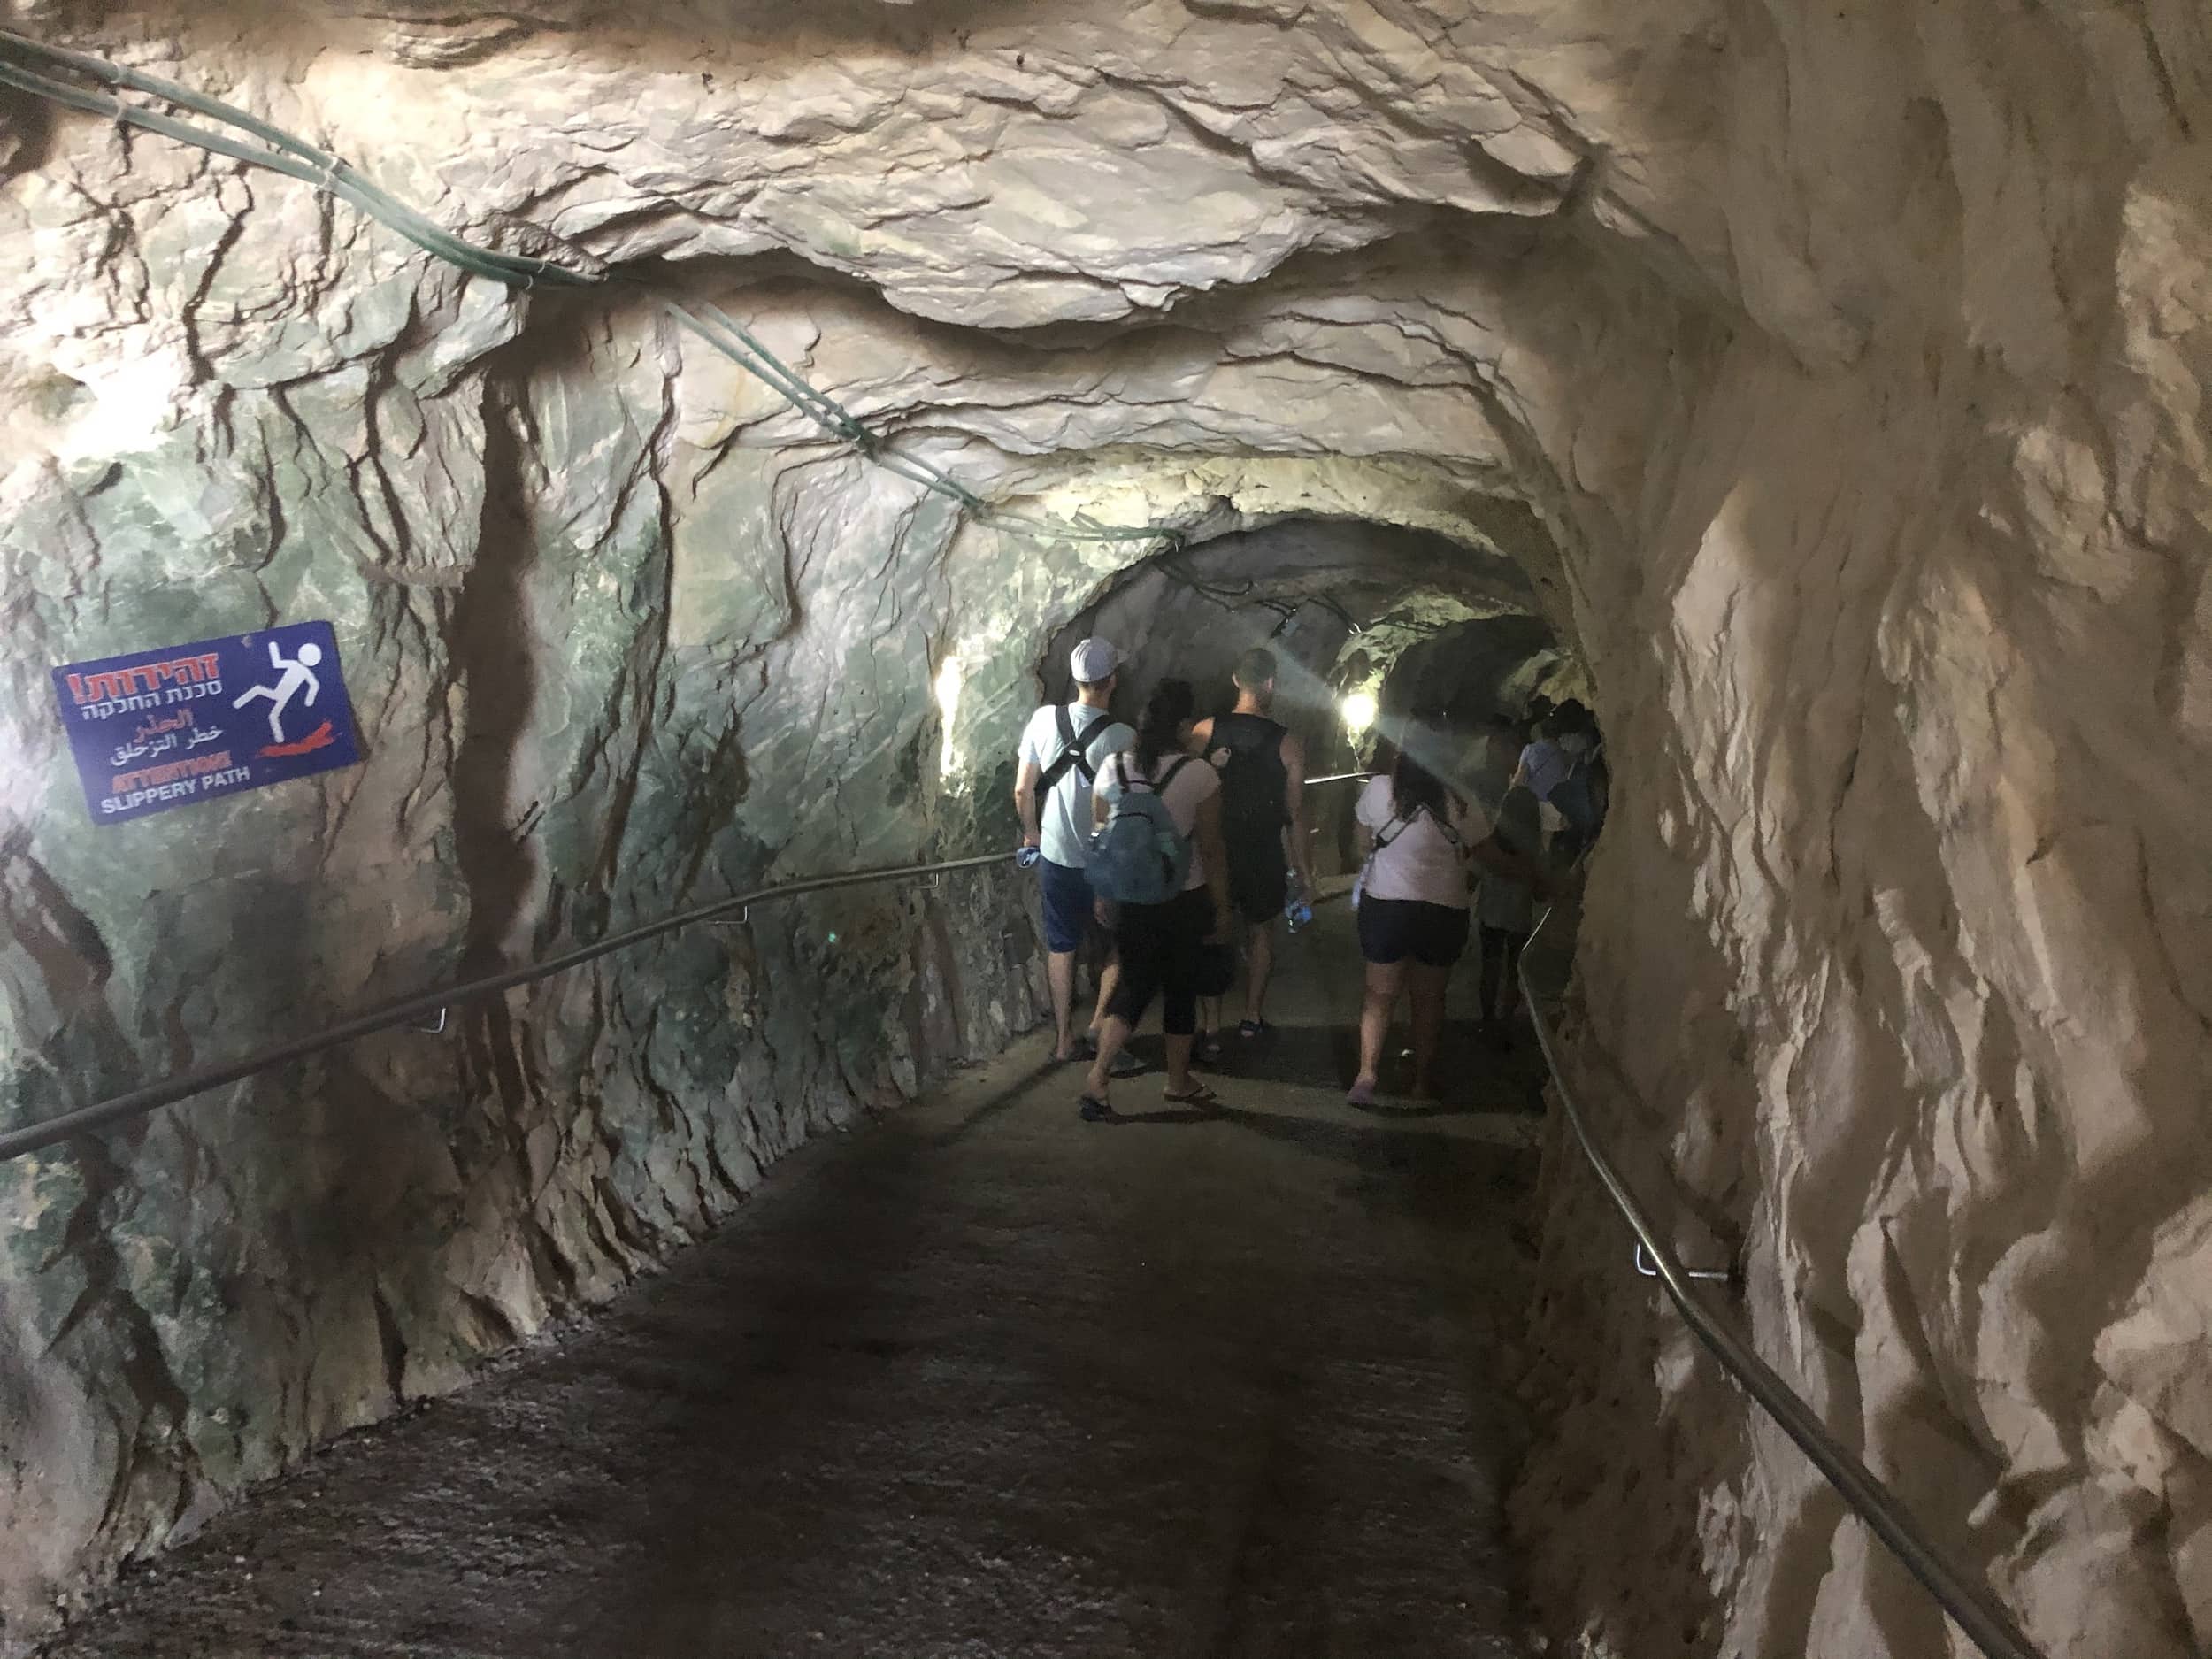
(1391, 930)
(1259, 881)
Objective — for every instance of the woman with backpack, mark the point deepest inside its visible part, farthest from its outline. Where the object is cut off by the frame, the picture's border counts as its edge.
(1159, 865)
(1413, 912)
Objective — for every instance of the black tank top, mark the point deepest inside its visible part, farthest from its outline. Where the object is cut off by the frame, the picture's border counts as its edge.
(1255, 788)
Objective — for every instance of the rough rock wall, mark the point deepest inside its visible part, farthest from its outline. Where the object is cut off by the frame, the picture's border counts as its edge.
(1480, 671)
(1847, 362)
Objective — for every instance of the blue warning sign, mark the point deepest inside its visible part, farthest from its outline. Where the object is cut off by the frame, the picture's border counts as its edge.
(160, 729)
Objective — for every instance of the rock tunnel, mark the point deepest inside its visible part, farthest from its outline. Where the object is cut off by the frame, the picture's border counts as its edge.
(1813, 391)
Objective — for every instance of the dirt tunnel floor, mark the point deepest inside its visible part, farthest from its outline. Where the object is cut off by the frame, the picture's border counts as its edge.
(977, 1379)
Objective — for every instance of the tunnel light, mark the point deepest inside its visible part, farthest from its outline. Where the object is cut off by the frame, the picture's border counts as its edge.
(1359, 711)
(948, 689)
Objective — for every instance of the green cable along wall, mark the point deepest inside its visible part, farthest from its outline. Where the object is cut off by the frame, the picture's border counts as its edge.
(27, 66)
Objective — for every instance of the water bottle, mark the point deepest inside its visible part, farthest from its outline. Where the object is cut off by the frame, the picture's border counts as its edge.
(1299, 911)
(1026, 857)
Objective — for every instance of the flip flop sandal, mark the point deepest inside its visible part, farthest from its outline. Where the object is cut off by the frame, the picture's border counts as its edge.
(1254, 1028)
(1208, 1050)
(1200, 1095)
(1361, 1095)
(1093, 1109)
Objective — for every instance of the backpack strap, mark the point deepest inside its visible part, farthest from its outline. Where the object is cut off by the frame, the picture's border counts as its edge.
(1075, 750)
(1398, 827)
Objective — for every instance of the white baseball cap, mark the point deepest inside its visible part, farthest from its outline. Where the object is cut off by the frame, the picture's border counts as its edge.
(1092, 661)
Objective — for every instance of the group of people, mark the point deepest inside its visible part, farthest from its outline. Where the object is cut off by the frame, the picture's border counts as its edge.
(1232, 786)
(1441, 866)
(1565, 768)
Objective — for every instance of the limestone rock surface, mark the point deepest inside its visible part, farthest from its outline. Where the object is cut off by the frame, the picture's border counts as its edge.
(1834, 377)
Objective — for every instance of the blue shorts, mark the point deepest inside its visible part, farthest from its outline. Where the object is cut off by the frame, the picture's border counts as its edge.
(1067, 894)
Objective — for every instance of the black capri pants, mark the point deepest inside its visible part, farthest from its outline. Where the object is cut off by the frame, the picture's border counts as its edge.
(1159, 949)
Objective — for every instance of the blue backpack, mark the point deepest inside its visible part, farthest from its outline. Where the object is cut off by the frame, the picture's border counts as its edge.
(1140, 858)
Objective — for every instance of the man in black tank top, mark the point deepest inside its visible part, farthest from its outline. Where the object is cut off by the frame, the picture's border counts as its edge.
(1263, 769)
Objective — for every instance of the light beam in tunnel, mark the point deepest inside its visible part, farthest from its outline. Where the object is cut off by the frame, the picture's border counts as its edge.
(946, 686)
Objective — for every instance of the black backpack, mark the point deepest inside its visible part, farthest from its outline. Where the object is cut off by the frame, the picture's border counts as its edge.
(1074, 751)
(1255, 788)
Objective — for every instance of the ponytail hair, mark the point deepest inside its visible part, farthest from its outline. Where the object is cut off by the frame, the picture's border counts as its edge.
(1160, 728)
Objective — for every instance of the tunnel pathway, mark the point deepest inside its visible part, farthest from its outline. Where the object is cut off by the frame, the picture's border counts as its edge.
(975, 1379)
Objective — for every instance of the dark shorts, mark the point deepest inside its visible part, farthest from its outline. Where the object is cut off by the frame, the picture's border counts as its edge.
(1259, 882)
(1067, 895)
(1391, 930)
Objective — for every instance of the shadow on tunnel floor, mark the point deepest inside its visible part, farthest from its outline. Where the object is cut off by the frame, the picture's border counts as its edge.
(1005, 1099)
(1479, 1076)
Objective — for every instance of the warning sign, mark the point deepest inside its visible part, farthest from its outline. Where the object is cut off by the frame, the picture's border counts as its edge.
(160, 729)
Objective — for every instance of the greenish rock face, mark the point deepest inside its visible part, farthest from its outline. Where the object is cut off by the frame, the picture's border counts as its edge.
(600, 672)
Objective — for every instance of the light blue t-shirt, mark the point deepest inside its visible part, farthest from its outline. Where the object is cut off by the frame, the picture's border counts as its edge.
(1545, 767)
(1063, 818)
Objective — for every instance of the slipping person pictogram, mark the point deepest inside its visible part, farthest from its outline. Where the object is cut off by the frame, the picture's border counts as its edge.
(295, 673)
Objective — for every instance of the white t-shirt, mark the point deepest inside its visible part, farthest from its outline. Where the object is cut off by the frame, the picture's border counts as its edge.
(1190, 789)
(1420, 861)
(1063, 818)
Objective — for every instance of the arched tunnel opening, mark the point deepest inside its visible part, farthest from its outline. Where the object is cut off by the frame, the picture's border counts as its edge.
(1444, 638)
(530, 535)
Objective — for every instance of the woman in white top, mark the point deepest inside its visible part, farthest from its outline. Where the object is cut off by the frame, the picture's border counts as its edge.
(1162, 945)
(1413, 918)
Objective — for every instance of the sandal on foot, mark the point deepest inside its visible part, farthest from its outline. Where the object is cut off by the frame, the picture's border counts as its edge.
(1093, 1109)
(1254, 1028)
(1362, 1095)
(1208, 1050)
(1200, 1096)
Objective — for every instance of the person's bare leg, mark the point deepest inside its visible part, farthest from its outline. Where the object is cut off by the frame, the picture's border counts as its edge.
(1060, 976)
(1509, 969)
(1109, 982)
(1113, 1031)
(1374, 1020)
(1178, 1076)
(1259, 956)
(1209, 1014)
(1493, 953)
(1425, 985)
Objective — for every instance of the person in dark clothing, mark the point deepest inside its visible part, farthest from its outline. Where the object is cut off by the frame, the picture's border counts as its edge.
(1538, 710)
(1262, 767)
(1576, 797)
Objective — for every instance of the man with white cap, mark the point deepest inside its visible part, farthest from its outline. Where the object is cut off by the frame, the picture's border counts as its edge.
(1062, 750)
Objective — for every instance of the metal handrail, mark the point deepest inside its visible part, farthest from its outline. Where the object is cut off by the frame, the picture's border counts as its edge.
(152, 1096)
(1964, 1595)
